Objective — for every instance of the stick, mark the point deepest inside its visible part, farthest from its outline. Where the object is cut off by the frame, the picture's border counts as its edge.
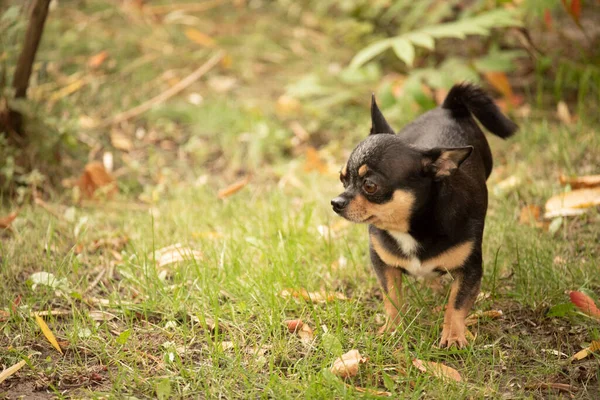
(147, 105)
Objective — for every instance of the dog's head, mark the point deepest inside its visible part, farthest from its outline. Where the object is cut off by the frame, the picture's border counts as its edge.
(387, 179)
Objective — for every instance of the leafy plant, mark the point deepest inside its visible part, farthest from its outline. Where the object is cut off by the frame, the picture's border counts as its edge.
(404, 45)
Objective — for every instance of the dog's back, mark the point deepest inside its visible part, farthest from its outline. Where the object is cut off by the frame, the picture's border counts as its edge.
(452, 124)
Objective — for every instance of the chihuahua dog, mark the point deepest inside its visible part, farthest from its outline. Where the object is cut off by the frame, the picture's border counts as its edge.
(423, 194)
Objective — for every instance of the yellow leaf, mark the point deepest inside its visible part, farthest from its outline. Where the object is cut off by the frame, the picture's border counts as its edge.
(4, 375)
(437, 369)
(580, 355)
(572, 203)
(48, 333)
(202, 39)
(500, 82)
(578, 182)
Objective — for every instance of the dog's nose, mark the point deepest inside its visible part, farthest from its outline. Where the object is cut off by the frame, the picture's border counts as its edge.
(339, 203)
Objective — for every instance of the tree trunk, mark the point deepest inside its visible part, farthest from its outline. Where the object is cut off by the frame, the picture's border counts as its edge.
(35, 28)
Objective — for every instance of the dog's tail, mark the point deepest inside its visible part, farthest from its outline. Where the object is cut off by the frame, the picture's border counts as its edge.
(466, 97)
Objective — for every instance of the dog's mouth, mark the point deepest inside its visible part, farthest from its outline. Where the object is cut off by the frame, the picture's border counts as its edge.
(369, 220)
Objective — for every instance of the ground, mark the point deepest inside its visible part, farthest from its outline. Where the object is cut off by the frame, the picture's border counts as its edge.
(213, 325)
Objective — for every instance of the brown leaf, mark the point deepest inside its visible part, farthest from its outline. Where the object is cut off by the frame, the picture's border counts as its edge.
(314, 297)
(580, 355)
(115, 243)
(372, 392)
(120, 141)
(306, 334)
(437, 369)
(572, 203)
(313, 161)
(346, 366)
(563, 113)
(233, 188)
(97, 60)
(5, 222)
(4, 315)
(580, 182)
(500, 82)
(562, 387)
(96, 177)
(530, 214)
(98, 315)
(585, 303)
(294, 324)
(473, 318)
(198, 37)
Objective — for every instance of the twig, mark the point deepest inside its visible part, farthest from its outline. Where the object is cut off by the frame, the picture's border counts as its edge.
(95, 281)
(46, 207)
(147, 105)
(190, 7)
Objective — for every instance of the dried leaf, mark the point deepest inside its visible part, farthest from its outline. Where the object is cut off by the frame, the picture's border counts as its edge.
(198, 37)
(97, 60)
(175, 253)
(347, 365)
(580, 182)
(548, 18)
(115, 243)
(572, 203)
(5, 222)
(563, 387)
(580, 355)
(437, 369)
(530, 214)
(4, 315)
(585, 303)
(507, 185)
(473, 318)
(372, 392)
(500, 82)
(563, 113)
(98, 315)
(306, 334)
(314, 297)
(48, 333)
(294, 324)
(233, 188)
(313, 161)
(8, 372)
(227, 345)
(120, 141)
(95, 177)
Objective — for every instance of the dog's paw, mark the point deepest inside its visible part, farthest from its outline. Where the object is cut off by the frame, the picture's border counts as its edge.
(453, 337)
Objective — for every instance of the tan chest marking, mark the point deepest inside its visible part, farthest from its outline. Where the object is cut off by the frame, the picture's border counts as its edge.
(449, 260)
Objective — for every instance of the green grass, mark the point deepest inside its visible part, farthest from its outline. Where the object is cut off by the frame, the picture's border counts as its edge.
(169, 326)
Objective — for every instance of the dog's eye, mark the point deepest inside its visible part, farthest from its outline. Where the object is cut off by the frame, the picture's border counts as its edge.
(369, 187)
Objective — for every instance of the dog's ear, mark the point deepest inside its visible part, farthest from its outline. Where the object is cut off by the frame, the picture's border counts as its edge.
(378, 122)
(443, 162)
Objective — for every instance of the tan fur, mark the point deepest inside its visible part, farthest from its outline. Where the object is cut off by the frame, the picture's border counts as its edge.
(363, 170)
(393, 215)
(344, 170)
(452, 258)
(454, 329)
(388, 257)
(392, 299)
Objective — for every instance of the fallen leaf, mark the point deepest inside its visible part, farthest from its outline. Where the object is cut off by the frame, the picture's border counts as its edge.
(580, 182)
(227, 345)
(96, 177)
(548, 18)
(580, 355)
(5, 222)
(114, 243)
(372, 392)
(98, 315)
(198, 37)
(562, 387)
(306, 334)
(4, 315)
(8, 372)
(314, 297)
(530, 214)
(233, 188)
(294, 324)
(507, 185)
(48, 333)
(572, 203)
(585, 303)
(97, 59)
(500, 82)
(473, 318)
(347, 365)
(120, 141)
(175, 253)
(313, 161)
(563, 113)
(437, 369)
(48, 279)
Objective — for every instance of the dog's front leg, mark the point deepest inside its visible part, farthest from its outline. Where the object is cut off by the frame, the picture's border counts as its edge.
(463, 292)
(390, 279)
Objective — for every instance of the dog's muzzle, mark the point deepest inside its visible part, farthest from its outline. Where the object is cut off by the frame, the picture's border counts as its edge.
(339, 204)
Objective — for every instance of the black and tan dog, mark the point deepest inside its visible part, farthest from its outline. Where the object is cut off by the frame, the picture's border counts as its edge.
(423, 193)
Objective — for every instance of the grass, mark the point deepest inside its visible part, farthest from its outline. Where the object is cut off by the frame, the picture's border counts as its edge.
(213, 327)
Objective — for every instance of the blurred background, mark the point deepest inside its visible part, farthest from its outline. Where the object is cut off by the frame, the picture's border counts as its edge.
(287, 80)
